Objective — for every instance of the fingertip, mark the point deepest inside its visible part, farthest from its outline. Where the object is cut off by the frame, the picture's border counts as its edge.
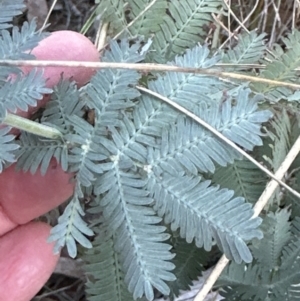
(24, 196)
(26, 261)
(57, 47)
(6, 224)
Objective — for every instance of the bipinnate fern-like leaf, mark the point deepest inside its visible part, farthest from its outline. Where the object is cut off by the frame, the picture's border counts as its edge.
(113, 89)
(282, 68)
(89, 151)
(280, 133)
(189, 262)
(204, 213)
(182, 27)
(275, 274)
(243, 177)
(23, 91)
(149, 22)
(7, 147)
(36, 152)
(87, 159)
(64, 102)
(105, 277)
(113, 12)
(189, 90)
(123, 155)
(8, 10)
(71, 227)
(128, 149)
(189, 147)
(249, 50)
(17, 45)
(144, 160)
(139, 239)
(86, 155)
(150, 116)
(276, 229)
(280, 138)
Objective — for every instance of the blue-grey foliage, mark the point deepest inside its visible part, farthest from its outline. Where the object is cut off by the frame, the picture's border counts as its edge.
(64, 103)
(146, 165)
(112, 90)
(281, 67)
(23, 91)
(249, 50)
(7, 147)
(145, 24)
(142, 160)
(105, 276)
(36, 152)
(8, 10)
(182, 27)
(274, 275)
(189, 262)
(89, 148)
(242, 176)
(205, 213)
(71, 227)
(137, 230)
(18, 46)
(154, 155)
(17, 91)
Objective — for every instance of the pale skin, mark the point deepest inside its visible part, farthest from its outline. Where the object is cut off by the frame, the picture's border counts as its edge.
(26, 259)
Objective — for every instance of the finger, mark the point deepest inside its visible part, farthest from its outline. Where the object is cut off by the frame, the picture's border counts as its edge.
(6, 224)
(64, 45)
(24, 196)
(26, 262)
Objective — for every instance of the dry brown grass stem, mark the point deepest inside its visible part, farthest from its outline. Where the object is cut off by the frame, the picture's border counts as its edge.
(151, 67)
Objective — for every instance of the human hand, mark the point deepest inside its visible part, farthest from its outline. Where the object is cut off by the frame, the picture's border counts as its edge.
(26, 259)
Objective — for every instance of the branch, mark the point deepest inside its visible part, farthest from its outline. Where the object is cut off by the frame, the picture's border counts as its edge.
(149, 67)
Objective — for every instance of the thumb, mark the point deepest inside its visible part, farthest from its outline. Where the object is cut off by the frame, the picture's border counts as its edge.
(26, 262)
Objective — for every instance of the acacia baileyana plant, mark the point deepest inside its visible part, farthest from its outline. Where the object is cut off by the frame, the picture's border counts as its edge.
(166, 195)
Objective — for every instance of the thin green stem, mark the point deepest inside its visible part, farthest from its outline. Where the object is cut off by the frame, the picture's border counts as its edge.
(32, 127)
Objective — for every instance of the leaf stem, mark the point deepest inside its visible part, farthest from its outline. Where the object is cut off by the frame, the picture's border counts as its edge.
(32, 127)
